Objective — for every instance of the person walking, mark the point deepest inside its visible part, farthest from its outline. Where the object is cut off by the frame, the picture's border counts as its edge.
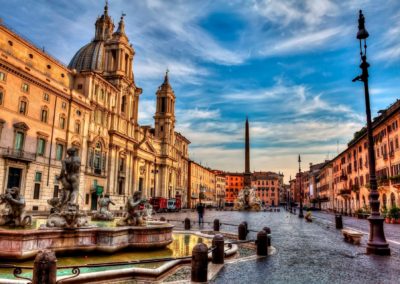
(200, 212)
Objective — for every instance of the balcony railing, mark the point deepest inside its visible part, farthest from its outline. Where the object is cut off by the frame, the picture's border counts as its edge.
(395, 180)
(18, 154)
(383, 181)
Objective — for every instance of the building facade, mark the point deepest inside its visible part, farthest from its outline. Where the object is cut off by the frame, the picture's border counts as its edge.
(268, 186)
(350, 168)
(91, 104)
(202, 185)
(234, 182)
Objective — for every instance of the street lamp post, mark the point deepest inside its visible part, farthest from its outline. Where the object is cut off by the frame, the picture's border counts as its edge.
(301, 191)
(377, 242)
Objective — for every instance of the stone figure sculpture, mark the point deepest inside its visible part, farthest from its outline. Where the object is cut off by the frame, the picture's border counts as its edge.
(135, 211)
(65, 211)
(104, 213)
(14, 214)
(248, 200)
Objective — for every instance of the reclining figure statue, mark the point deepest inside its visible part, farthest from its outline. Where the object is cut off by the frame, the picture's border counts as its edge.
(104, 212)
(135, 211)
(14, 214)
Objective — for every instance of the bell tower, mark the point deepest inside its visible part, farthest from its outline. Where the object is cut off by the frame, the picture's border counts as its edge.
(165, 112)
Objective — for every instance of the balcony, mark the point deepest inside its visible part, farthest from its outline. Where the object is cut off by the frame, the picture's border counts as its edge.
(345, 192)
(355, 188)
(20, 155)
(383, 181)
(395, 180)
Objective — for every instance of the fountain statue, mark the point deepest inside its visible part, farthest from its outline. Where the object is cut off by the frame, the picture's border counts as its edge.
(136, 211)
(65, 211)
(248, 200)
(14, 213)
(104, 214)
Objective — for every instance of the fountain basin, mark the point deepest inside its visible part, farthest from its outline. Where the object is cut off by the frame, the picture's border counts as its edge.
(23, 244)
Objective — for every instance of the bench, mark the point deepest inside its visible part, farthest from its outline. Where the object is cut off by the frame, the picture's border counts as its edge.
(352, 236)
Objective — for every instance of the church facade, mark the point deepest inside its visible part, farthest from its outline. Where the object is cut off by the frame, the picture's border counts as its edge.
(91, 104)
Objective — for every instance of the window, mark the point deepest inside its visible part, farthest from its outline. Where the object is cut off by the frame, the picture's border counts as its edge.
(56, 190)
(102, 94)
(2, 76)
(36, 191)
(1, 96)
(123, 104)
(23, 106)
(41, 147)
(62, 121)
(163, 104)
(80, 86)
(46, 97)
(97, 159)
(77, 127)
(63, 105)
(38, 176)
(25, 88)
(19, 140)
(59, 152)
(43, 115)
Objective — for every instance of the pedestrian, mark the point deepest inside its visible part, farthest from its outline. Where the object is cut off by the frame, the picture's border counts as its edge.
(200, 211)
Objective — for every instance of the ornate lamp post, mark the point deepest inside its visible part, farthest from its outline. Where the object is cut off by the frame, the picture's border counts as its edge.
(301, 191)
(377, 243)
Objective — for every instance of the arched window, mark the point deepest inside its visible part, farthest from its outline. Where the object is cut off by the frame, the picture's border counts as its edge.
(23, 106)
(392, 200)
(44, 114)
(384, 201)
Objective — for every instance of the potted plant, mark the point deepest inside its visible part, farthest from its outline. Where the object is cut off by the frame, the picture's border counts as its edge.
(394, 215)
(385, 214)
(360, 213)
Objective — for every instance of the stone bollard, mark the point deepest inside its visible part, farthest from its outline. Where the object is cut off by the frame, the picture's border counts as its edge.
(45, 268)
(217, 225)
(247, 226)
(242, 232)
(338, 221)
(261, 242)
(199, 263)
(162, 219)
(268, 232)
(218, 253)
(187, 224)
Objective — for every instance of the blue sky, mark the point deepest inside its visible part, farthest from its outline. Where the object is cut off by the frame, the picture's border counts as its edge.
(286, 64)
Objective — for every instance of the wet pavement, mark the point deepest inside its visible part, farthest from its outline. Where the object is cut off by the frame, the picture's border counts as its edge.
(307, 252)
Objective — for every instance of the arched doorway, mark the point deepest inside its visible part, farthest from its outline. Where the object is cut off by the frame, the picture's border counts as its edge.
(392, 200)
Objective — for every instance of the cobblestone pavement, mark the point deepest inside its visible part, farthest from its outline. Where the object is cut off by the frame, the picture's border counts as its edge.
(306, 252)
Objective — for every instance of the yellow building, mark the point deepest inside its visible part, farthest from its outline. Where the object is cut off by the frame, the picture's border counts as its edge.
(202, 185)
(47, 107)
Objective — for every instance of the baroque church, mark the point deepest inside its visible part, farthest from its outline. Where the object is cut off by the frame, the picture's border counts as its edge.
(47, 107)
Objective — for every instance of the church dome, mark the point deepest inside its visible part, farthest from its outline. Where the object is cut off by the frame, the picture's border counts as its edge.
(89, 57)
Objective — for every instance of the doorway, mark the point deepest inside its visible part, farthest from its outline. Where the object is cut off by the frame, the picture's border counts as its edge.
(14, 177)
(93, 206)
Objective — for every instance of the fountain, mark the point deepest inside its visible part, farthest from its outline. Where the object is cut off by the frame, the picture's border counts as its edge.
(68, 229)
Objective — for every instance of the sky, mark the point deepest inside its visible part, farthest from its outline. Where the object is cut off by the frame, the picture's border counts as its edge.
(285, 64)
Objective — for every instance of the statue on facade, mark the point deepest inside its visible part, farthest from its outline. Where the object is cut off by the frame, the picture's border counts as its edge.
(104, 213)
(14, 213)
(248, 200)
(135, 211)
(65, 211)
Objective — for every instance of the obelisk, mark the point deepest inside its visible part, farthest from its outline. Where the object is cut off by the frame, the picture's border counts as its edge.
(247, 173)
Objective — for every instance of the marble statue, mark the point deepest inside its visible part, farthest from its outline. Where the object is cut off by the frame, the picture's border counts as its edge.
(14, 213)
(134, 211)
(104, 213)
(248, 200)
(65, 211)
